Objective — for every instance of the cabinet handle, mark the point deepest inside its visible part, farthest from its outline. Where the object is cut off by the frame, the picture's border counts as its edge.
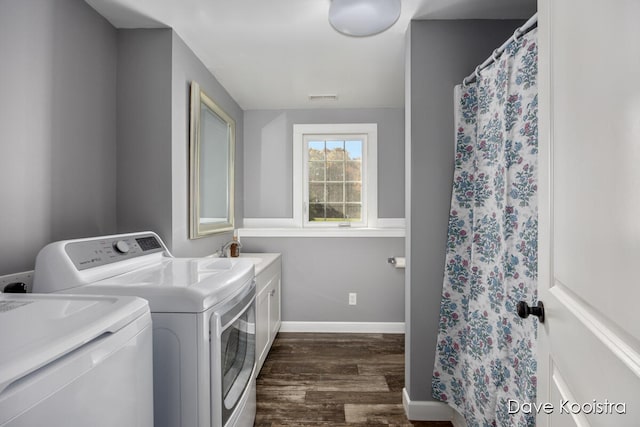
(273, 292)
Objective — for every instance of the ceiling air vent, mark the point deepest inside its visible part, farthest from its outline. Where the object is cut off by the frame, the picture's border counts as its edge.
(324, 97)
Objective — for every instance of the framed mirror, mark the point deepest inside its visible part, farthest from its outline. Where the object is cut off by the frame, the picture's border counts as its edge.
(211, 167)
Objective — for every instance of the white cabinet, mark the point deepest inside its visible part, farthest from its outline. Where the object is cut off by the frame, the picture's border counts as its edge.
(268, 284)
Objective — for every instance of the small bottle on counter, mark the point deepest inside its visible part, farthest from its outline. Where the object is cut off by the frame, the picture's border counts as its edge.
(234, 249)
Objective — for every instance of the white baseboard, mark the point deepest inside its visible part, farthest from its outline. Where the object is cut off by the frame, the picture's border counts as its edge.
(426, 410)
(344, 327)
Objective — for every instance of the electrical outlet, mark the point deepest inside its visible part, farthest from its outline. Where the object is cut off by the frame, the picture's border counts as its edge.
(353, 298)
(25, 277)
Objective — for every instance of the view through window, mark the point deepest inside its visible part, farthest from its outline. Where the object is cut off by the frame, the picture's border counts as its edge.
(335, 178)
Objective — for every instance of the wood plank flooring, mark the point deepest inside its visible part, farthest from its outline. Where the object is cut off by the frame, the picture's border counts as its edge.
(336, 380)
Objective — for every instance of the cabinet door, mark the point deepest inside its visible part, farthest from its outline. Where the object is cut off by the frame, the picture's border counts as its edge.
(274, 308)
(262, 327)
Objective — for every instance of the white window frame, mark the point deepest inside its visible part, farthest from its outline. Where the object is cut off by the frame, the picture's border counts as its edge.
(369, 171)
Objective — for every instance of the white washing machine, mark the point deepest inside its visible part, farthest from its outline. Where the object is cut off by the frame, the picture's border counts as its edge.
(203, 312)
(75, 361)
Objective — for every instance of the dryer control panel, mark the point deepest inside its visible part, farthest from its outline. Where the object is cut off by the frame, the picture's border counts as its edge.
(91, 253)
(67, 264)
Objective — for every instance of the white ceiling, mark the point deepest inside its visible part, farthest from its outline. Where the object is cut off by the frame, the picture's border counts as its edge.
(272, 54)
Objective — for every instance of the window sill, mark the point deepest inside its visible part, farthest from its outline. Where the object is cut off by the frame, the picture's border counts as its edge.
(321, 232)
(289, 227)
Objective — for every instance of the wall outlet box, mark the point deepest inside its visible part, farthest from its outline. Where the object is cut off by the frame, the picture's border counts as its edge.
(353, 298)
(25, 277)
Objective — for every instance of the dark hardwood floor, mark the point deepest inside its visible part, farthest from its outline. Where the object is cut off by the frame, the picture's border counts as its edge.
(334, 380)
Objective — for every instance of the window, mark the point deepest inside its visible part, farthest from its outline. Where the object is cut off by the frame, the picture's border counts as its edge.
(333, 173)
(336, 174)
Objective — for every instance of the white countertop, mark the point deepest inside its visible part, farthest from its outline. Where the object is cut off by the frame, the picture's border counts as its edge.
(260, 260)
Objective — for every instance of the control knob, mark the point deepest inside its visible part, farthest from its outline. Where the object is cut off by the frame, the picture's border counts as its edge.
(121, 246)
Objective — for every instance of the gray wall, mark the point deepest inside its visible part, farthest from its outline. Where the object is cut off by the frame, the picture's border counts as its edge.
(319, 273)
(187, 67)
(144, 131)
(268, 159)
(155, 69)
(94, 130)
(57, 126)
(441, 53)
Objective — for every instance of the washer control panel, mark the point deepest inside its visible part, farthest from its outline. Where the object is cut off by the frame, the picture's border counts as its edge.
(97, 252)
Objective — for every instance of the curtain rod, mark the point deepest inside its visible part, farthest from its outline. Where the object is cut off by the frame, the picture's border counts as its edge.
(532, 22)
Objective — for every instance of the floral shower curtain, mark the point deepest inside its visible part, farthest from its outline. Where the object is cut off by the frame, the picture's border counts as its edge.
(486, 354)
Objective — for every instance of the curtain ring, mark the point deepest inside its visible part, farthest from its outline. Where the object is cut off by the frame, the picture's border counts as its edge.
(495, 55)
(477, 73)
(517, 33)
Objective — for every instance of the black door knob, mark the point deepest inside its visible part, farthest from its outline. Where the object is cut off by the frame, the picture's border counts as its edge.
(524, 310)
(15, 288)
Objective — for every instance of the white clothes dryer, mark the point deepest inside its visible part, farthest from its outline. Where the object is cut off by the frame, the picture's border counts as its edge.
(203, 312)
(75, 361)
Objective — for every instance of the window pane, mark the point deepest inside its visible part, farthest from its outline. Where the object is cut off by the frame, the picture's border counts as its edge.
(335, 193)
(353, 171)
(316, 150)
(335, 150)
(316, 212)
(335, 211)
(353, 149)
(335, 171)
(354, 212)
(316, 171)
(316, 193)
(334, 161)
(353, 192)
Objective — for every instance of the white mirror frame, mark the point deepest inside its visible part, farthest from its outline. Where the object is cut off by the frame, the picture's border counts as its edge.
(198, 226)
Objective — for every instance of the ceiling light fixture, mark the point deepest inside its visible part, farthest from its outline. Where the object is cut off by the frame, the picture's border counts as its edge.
(362, 18)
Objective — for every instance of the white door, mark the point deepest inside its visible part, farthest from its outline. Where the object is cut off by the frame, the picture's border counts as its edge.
(589, 213)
